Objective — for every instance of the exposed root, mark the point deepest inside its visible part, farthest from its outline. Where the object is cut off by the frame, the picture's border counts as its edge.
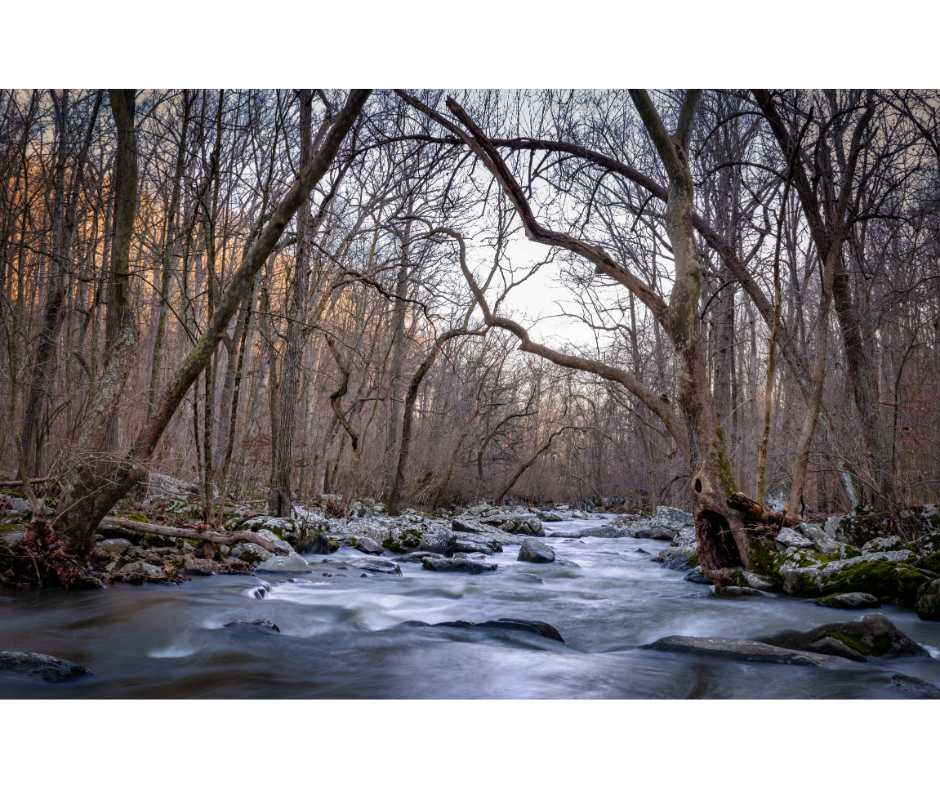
(37, 559)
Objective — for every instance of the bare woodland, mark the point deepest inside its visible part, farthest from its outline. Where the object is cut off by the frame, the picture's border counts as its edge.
(288, 294)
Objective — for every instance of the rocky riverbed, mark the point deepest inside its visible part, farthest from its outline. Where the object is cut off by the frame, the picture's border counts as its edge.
(413, 607)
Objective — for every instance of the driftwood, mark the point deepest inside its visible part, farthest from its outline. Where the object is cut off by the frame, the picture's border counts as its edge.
(756, 513)
(217, 537)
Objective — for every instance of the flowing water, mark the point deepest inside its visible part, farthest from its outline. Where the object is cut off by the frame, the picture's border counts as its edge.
(341, 637)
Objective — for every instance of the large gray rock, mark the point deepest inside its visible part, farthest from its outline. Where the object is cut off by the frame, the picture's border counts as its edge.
(790, 538)
(51, 669)
(823, 543)
(115, 546)
(476, 546)
(528, 524)
(536, 552)
(885, 544)
(853, 601)
(745, 651)
(475, 531)
(870, 638)
(284, 564)
(369, 546)
(461, 565)
(915, 686)
(251, 553)
(698, 576)
(682, 552)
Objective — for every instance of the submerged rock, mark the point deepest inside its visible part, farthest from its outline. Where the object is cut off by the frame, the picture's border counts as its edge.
(536, 552)
(51, 669)
(744, 650)
(517, 624)
(915, 686)
(258, 623)
(602, 531)
(853, 601)
(457, 565)
(869, 638)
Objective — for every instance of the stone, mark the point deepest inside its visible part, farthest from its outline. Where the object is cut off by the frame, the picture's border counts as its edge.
(915, 686)
(698, 576)
(191, 565)
(115, 546)
(551, 517)
(517, 624)
(413, 558)
(50, 669)
(927, 605)
(478, 546)
(744, 650)
(251, 552)
(461, 565)
(379, 565)
(141, 572)
(284, 564)
(823, 543)
(516, 523)
(317, 544)
(851, 601)
(872, 573)
(759, 582)
(536, 552)
(370, 546)
(870, 638)
(731, 592)
(264, 624)
(601, 531)
(790, 538)
(404, 534)
(885, 544)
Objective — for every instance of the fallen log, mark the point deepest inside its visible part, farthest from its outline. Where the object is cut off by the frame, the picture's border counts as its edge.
(217, 537)
(19, 482)
(758, 513)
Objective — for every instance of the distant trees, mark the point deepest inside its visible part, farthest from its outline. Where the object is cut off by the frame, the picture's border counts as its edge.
(720, 261)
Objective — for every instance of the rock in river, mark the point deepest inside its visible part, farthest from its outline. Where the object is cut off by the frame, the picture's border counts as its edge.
(292, 563)
(866, 639)
(379, 565)
(457, 565)
(367, 545)
(536, 552)
(518, 624)
(851, 601)
(259, 623)
(928, 601)
(744, 650)
(51, 669)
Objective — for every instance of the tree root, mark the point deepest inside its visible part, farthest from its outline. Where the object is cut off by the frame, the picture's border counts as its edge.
(37, 559)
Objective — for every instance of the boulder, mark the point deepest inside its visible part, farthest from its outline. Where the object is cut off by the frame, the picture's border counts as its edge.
(284, 564)
(535, 552)
(550, 517)
(378, 565)
(142, 572)
(869, 638)
(698, 576)
(263, 624)
(370, 546)
(413, 558)
(927, 604)
(477, 546)
(516, 523)
(853, 601)
(115, 546)
(872, 573)
(731, 592)
(863, 524)
(475, 531)
(317, 544)
(744, 650)
(51, 669)
(461, 565)
(250, 552)
(823, 543)
(790, 538)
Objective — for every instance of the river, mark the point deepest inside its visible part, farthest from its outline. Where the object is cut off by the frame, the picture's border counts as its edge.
(341, 637)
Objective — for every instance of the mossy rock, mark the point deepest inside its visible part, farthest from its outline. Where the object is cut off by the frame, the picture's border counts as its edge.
(909, 582)
(932, 563)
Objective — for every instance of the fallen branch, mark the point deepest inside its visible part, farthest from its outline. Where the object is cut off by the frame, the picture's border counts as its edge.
(20, 482)
(217, 537)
